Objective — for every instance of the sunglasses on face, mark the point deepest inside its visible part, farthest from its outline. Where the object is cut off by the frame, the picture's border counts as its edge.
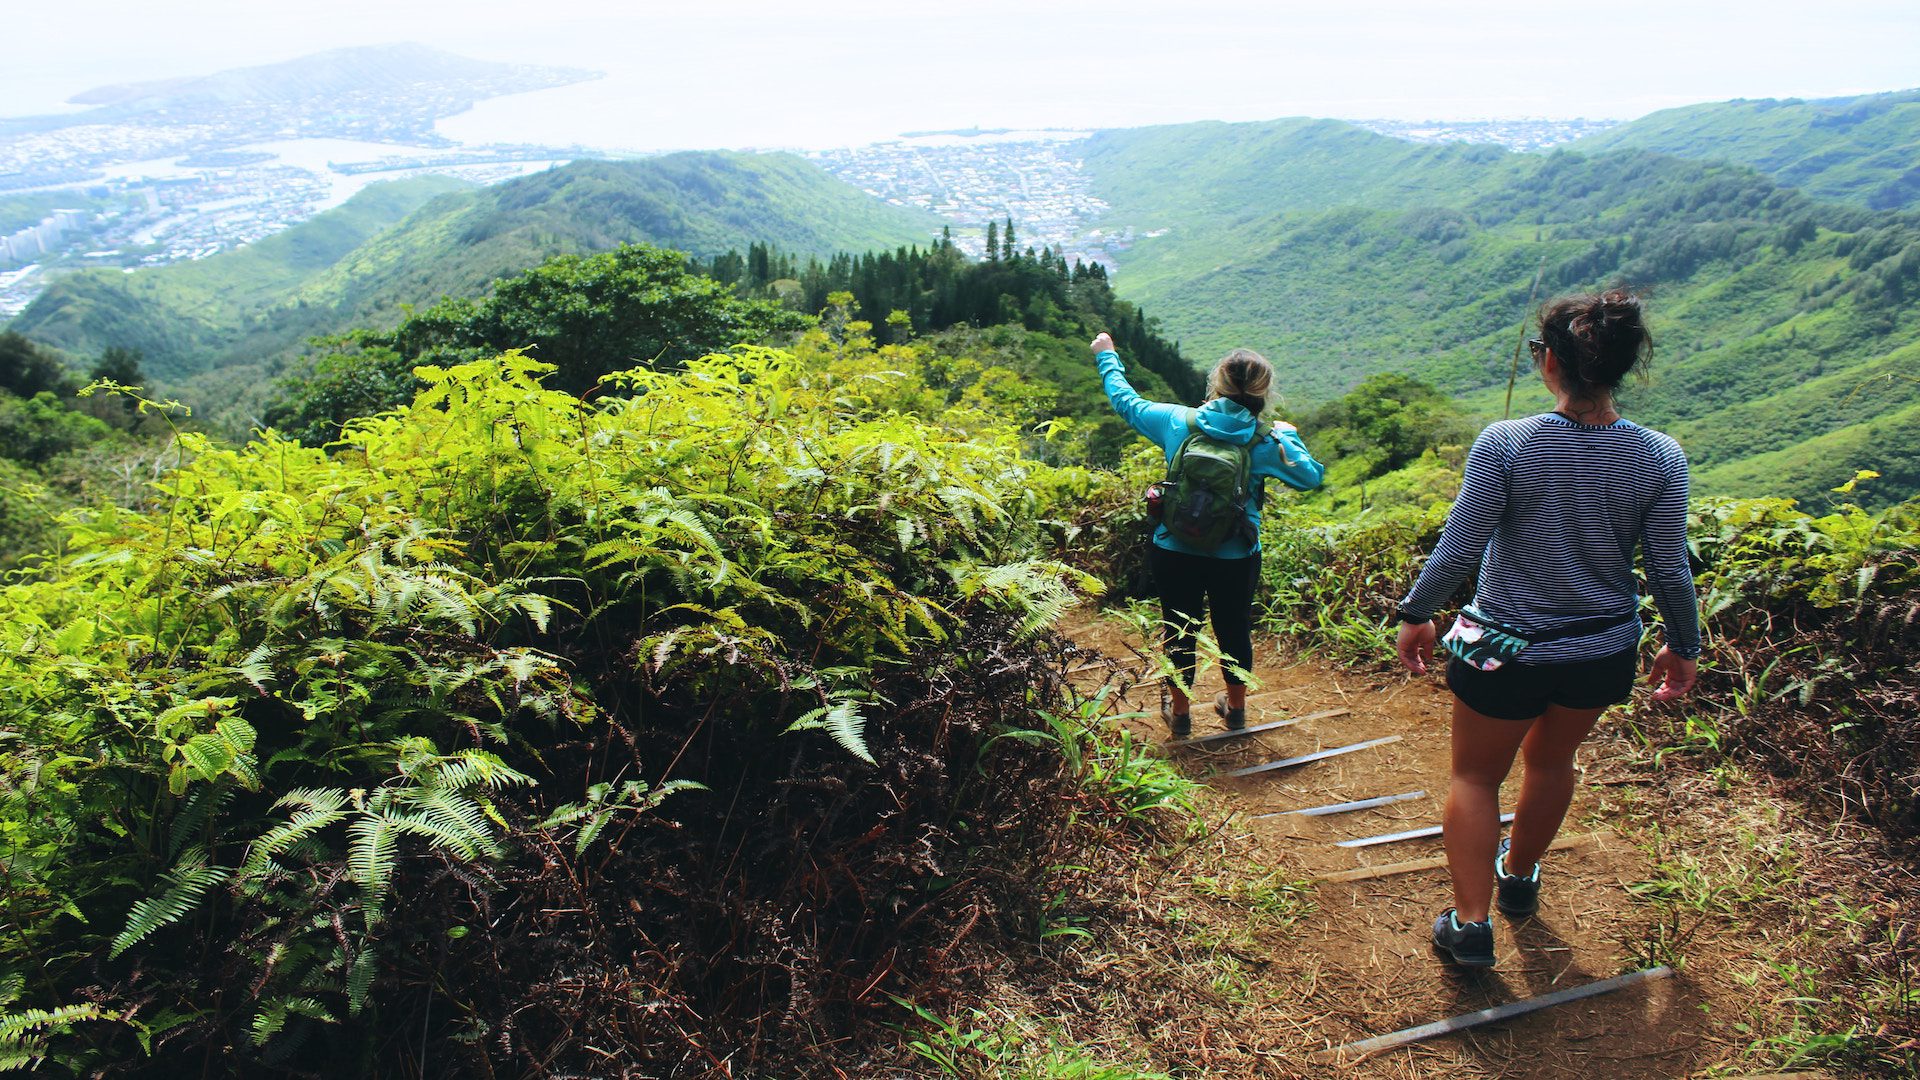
(1537, 347)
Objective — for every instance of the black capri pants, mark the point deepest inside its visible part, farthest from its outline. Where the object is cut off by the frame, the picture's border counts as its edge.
(1189, 585)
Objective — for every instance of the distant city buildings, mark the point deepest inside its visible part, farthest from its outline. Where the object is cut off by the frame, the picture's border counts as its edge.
(1037, 178)
(34, 241)
(1526, 136)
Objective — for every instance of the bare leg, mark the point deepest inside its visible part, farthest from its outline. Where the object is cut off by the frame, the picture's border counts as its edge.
(1483, 749)
(1181, 706)
(1546, 790)
(1236, 695)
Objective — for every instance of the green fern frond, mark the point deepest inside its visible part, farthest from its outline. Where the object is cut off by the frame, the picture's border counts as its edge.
(590, 832)
(14, 1027)
(257, 666)
(458, 815)
(1040, 590)
(598, 810)
(371, 852)
(208, 754)
(313, 810)
(187, 885)
(199, 807)
(462, 771)
(237, 733)
(535, 607)
(360, 976)
(843, 721)
(273, 1016)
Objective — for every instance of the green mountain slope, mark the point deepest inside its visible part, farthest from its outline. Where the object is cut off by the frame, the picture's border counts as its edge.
(261, 301)
(1211, 187)
(182, 316)
(1779, 319)
(1864, 150)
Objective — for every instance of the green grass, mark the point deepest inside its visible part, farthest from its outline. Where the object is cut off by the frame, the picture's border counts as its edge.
(979, 1046)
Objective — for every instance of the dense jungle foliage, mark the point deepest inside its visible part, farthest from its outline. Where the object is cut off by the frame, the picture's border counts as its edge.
(692, 721)
(59, 450)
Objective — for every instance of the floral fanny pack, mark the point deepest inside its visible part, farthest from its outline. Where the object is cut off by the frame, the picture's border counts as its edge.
(1487, 644)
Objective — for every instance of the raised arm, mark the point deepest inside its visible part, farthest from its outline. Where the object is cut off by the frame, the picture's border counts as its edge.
(1153, 419)
(1293, 464)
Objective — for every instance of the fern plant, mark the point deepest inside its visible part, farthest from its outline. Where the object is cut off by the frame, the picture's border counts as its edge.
(240, 717)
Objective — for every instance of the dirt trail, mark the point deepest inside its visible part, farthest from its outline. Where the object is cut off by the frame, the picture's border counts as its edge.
(1360, 965)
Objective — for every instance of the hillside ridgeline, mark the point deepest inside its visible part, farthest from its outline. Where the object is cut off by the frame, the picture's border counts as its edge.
(388, 250)
(1781, 322)
(1863, 150)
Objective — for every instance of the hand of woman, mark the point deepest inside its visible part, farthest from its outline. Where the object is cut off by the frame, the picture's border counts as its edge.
(1416, 646)
(1102, 343)
(1672, 676)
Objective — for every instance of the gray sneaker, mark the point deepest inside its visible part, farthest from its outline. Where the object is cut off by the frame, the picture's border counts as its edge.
(1466, 944)
(1235, 718)
(1179, 724)
(1516, 895)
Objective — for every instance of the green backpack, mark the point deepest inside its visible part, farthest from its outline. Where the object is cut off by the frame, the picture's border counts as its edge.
(1203, 500)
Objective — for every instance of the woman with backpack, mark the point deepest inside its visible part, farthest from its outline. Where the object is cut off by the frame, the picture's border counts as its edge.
(1550, 512)
(1206, 547)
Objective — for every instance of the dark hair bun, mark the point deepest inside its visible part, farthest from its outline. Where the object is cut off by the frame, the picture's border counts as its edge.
(1598, 337)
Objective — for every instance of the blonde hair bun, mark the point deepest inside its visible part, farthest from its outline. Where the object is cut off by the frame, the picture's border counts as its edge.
(1242, 376)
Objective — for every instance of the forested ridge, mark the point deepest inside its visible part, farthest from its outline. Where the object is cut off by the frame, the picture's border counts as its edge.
(234, 319)
(1860, 149)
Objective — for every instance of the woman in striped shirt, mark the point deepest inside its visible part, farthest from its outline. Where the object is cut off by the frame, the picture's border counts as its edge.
(1550, 512)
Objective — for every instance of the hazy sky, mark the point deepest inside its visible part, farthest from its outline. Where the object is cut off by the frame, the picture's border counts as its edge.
(737, 72)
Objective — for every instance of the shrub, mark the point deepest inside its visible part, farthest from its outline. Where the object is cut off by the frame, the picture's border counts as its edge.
(521, 730)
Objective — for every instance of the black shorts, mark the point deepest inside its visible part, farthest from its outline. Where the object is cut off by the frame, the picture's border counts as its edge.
(1523, 691)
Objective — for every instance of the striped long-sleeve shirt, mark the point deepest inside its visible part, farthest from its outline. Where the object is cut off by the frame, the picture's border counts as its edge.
(1551, 512)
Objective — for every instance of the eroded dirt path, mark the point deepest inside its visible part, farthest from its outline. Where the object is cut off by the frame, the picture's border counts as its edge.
(1360, 964)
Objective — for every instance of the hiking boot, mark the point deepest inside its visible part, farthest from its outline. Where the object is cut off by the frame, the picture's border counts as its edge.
(1515, 895)
(1180, 724)
(1235, 718)
(1467, 944)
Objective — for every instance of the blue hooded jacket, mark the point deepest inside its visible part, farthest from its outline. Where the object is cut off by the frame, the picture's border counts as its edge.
(1281, 455)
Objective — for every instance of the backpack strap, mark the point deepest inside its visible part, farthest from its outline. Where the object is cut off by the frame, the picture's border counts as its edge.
(1193, 432)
